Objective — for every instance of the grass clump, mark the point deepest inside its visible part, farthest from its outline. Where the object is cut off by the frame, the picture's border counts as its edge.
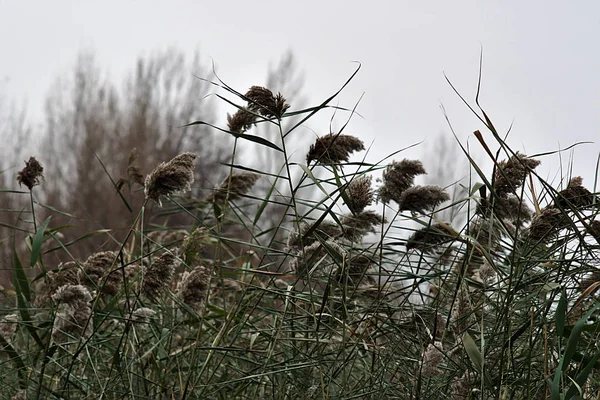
(361, 290)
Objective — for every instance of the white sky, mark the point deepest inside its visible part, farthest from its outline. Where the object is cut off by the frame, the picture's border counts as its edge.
(541, 61)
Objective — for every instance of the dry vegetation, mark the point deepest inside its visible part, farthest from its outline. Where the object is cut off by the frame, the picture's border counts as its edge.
(180, 271)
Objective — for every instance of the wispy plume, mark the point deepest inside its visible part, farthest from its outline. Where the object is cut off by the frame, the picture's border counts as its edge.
(175, 176)
(158, 276)
(194, 286)
(99, 272)
(262, 100)
(511, 174)
(74, 317)
(427, 239)
(334, 148)
(360, 193)
(422, 198)
(575, 196)
(241, 121)
(398, 177)
(356, 226)
(236, 185)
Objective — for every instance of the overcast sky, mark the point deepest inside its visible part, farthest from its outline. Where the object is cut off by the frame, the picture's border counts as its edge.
(540, 69)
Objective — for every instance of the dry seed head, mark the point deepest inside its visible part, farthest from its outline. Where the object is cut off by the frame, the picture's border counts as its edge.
(158, 276)
(547, 224)
(75, 314)
(594, 230)
(574, 196)
(72, 295)
(334, 148)
(507, 208)
(360, 193)
(241, 121)
(422, 198)
(358, 225)
(398, 177)
(428, 238)
(8, 327)
(194, 286)
(511, 174)
(175, 176)
(326, 230)
(486, 274)
(356, 268)
(99, 271)
(32, 173)
(262, 100)
(432, 358)
(236, 185)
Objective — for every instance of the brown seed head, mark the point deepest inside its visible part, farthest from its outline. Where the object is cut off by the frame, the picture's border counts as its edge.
(428, 238)
(574, 196)
(511, 174)
(241, 121)
(334, 148)
(546, 225)
(432, 358)
(194, 286)
(99, 271)
(32, 173)
(236, 185)
(175, 176)
(507, 208)
(398, 177)
(262, 100)
(325, 231)
(75, 314)
(159, 275)
(360, 224)
(422, 198)
(360, 193)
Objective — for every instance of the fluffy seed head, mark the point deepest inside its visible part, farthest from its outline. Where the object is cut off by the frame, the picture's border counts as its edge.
(236, 185)
(546, 225)
(428, 238)
(360, 193)
(175, 176)
(511, 174)
(398, 177)
(159, 275)
(8, 327)
(32, 173)
(72, 295)
(194, 286)
(262, 100)
(334, 148)
(432, 358)
(360, 224)
(326, 230)
(241, 121)
(574, 196)
(507, 208)
(422, 198)
(99, 272)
